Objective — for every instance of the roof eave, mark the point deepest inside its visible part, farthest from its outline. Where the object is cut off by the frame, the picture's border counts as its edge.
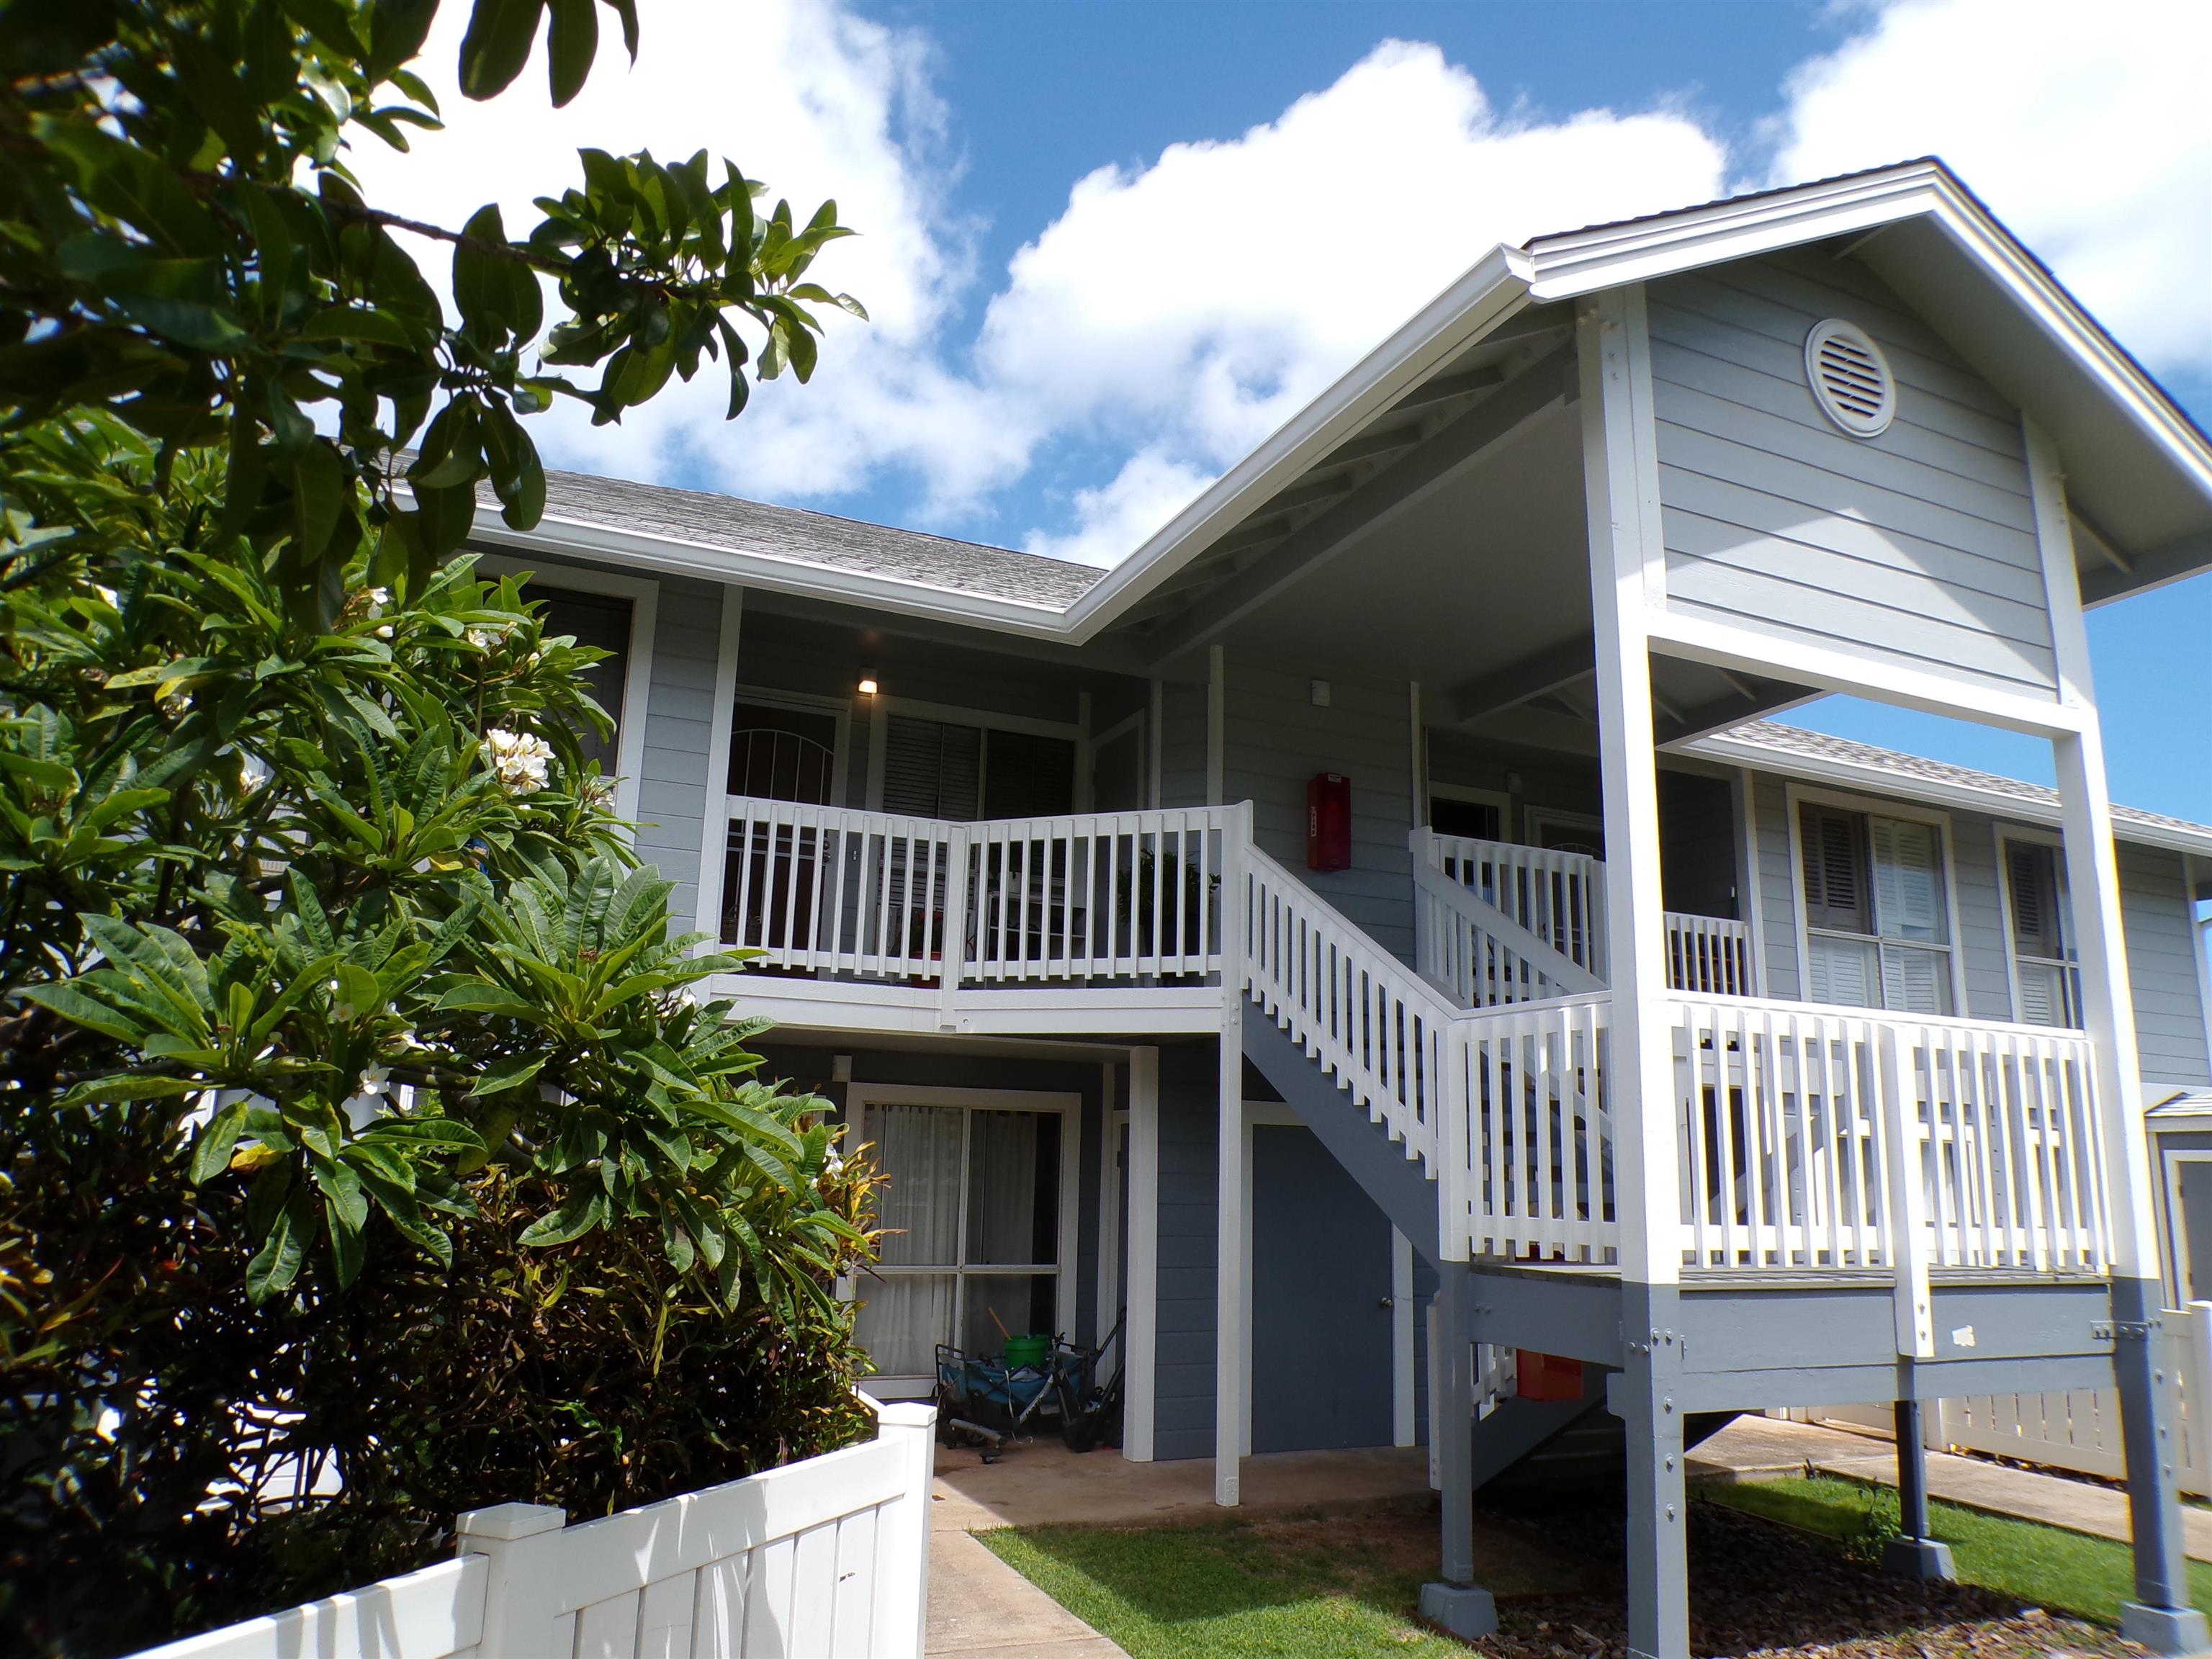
(1934, 792)
(1492, 291)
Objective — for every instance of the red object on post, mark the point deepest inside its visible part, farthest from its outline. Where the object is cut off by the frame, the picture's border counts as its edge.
(1328, 821)
(1546, 1376)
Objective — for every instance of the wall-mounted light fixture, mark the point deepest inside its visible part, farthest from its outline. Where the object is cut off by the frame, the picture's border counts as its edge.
(868, 686)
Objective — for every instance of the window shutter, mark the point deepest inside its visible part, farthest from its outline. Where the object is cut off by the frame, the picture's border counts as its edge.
(1914, 982)
(1835, 870)
(603, 621)
(931, 767)
(1842, 972)
(2038, 905)
(1908, 881)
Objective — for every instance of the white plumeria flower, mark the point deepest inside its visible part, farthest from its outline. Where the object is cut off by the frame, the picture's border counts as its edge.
(482, 638)
(177, 705)
(377, 599)
(521, 760)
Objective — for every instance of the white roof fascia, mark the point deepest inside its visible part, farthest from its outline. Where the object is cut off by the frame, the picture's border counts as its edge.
(672, 555)
(1490, 292)
(1934, 792)
(1610, 255)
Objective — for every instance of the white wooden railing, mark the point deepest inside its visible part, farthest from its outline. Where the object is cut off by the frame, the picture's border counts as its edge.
(825, 1558)
(1091, 896)
(1816, 1138)
(1500, 923)
(1560, 897)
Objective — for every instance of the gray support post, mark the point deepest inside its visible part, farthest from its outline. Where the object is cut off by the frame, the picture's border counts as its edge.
(1458, 1603)
(1644, 1396)
(2161, 1617)
(1915, 1555)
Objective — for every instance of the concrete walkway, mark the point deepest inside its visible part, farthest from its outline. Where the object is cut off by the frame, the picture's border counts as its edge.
(1764, 1447)
(981, 1608)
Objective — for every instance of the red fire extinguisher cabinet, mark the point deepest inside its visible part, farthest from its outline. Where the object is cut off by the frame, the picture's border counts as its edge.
(1328, 821)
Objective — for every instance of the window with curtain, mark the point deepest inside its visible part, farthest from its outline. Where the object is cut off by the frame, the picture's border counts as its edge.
(2042, 927)
(1876, 919)
(970, 1205)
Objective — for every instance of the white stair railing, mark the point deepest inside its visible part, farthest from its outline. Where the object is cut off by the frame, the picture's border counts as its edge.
(1560, 897)
(1480, 954)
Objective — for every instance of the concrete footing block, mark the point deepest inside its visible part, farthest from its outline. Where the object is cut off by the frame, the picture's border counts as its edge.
(1466, 1610)
(1922, 1559)
(2163, 1630)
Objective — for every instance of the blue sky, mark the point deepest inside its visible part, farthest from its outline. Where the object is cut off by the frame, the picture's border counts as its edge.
(1109, 247)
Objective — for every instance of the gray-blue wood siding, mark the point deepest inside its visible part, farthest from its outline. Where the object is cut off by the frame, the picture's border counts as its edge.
(672, 785)
(1182, 1397)
(1916, 547)
(2161, 929)
(1278, 739)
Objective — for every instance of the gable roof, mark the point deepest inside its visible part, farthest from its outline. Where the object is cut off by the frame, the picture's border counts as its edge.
(2139, 471)
(1768, 745)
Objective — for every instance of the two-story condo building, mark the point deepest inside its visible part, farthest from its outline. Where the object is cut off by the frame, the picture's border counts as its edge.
(1372, 930)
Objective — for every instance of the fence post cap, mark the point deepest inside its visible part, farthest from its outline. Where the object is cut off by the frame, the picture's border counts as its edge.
(504, 1523)
(907, 1414)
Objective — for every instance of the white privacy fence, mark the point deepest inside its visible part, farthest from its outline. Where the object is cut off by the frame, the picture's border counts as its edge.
(1088, 896)
(827, 1559)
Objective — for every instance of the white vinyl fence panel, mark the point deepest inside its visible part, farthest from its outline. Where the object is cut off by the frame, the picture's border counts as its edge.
(827, 1559)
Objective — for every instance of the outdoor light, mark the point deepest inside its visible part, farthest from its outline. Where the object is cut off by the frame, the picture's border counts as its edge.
(868, 687)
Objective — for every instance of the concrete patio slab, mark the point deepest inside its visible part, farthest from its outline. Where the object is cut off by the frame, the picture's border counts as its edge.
(1764, 1447)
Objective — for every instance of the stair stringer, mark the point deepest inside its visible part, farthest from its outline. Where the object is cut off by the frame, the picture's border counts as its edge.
(1406, 1195)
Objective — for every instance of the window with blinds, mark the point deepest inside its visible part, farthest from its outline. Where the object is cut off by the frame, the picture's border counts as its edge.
(948, 769)
(601, 621)
(1876, 918)
(2050, 985)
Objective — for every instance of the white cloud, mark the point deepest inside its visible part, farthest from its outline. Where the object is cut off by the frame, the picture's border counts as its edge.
(1175, 312)
(2084, 129)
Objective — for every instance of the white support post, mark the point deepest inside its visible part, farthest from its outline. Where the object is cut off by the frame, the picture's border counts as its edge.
(953, 954)
(522, 1588)
(1108, 1296)
(1908, 1201)
(1155, 730)
(714, 830)
(1627, 576)
(1142, 1333)
(2092, 879)
(902, 1559)
(1751, 903)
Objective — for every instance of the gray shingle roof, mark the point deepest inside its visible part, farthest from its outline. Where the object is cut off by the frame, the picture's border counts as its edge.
(740, 526)
(1796, 743)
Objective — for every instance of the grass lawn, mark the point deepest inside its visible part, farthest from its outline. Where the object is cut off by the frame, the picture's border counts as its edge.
(1318, 1587)
(2060, 1570)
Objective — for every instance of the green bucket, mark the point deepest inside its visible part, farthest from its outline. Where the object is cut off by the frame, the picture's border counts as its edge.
(1026, 1351)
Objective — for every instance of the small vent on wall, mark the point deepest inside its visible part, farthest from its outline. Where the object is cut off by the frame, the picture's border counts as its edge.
(1850, 378)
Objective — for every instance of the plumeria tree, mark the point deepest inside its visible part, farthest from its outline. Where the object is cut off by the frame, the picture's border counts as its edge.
(324, 966)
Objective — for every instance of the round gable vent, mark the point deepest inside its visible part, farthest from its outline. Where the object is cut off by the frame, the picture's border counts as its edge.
(1850, 378)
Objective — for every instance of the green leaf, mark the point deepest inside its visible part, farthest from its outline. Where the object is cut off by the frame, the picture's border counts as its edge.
(212, 1147)
(510, 1073)
(573, 42)
(497, 45)
(579, 1215)
(276, 1264)
(74, 1006)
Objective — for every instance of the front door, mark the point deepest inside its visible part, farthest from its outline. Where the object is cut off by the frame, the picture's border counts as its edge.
(1320, 1289)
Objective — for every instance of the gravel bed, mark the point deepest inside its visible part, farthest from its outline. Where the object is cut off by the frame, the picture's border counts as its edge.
(1762, 1591)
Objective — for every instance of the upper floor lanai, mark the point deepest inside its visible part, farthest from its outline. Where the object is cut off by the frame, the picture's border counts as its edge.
(1613, 495)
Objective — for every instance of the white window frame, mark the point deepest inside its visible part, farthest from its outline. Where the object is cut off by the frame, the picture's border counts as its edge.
(861, 1097)
(983, 720)
(2171, 1158)
(643, 593)
(1500, 801)
(2006, 834)
(1953, 948)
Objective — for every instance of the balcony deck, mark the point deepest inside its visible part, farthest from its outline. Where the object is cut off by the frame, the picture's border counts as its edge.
(1841, 1144)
